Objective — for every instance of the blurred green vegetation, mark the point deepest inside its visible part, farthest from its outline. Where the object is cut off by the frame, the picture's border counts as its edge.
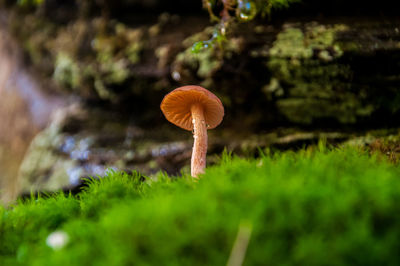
(29, 2)
(314, 207)
(226, 11)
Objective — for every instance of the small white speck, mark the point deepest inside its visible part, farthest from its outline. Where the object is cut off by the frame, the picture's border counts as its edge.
(57, 240)
(74, 175)
(223, 30)
(176, 76)
(193, 121)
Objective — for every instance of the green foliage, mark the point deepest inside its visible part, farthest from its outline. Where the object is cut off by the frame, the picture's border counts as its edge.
(217, 39)
(324, 207)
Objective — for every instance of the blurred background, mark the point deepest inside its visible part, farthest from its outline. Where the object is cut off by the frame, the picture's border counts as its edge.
(81, 82)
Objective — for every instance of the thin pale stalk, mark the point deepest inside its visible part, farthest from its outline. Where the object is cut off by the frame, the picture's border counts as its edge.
(200, 141)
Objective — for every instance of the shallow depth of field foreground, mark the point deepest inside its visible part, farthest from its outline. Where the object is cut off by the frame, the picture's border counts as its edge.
(325, 207)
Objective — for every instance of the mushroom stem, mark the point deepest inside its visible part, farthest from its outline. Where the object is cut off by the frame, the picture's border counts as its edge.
(200, 140)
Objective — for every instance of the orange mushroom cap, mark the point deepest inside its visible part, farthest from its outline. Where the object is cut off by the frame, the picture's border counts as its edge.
(177, 104)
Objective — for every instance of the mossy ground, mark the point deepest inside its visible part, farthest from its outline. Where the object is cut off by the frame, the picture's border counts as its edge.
(324, 207)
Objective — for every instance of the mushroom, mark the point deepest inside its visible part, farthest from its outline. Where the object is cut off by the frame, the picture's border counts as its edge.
(195, 109)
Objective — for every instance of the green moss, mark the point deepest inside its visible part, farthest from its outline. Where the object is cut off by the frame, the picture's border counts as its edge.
(114, 54)
(306, 110)
(290, 43)
(296, 43)
(296, 55)
(204, 58)
(123, 42)
(293, 48)
(318, 207)
(106, 65)
(314, 83)
(203, 61)
(67, 71)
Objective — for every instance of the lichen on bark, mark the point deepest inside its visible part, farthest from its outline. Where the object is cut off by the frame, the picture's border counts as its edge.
(311, 67)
